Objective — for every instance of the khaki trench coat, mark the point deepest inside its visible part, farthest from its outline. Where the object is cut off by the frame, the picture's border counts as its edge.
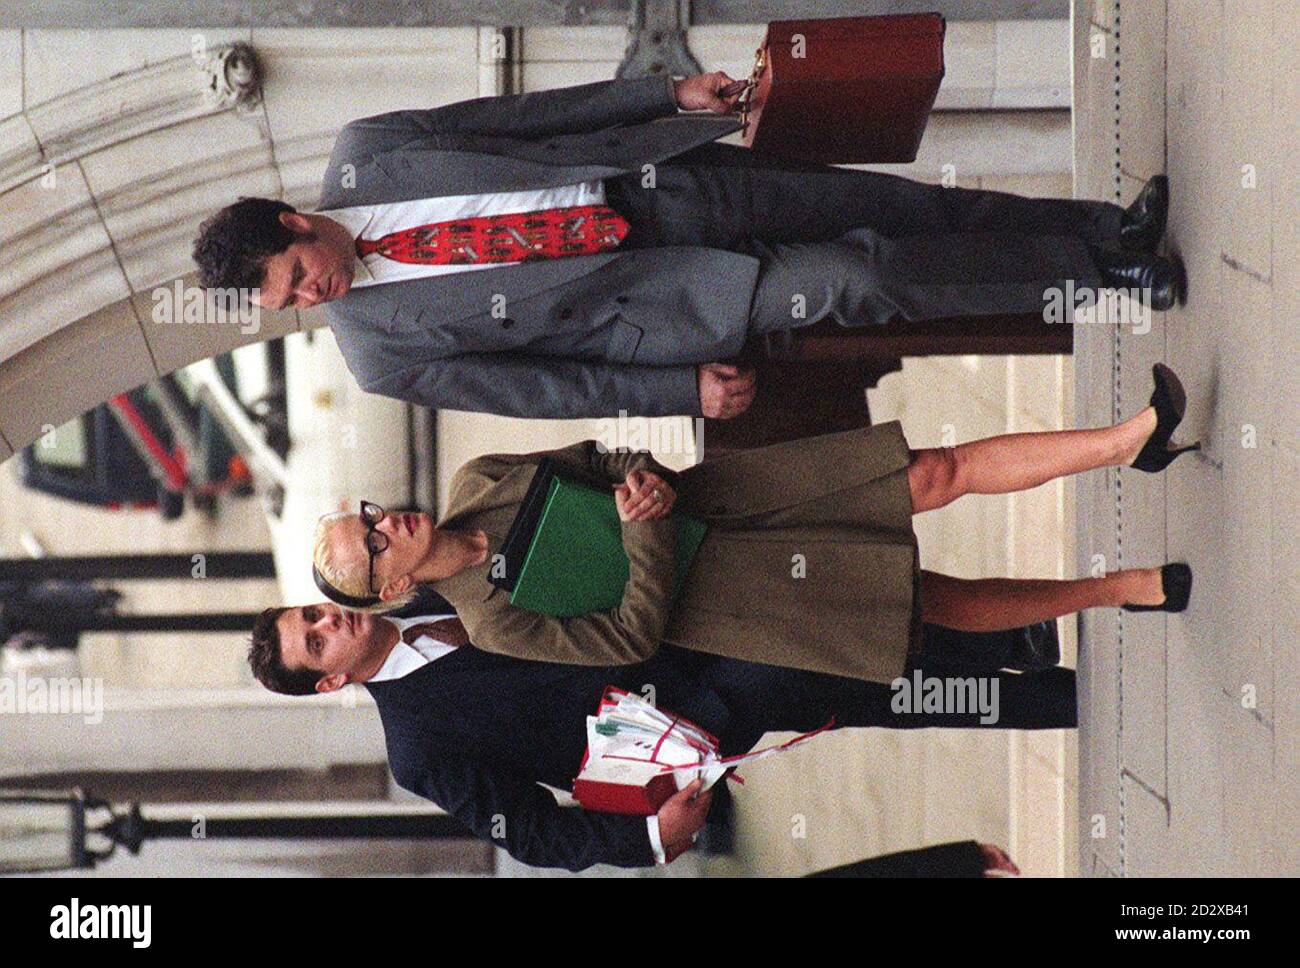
(810, 560)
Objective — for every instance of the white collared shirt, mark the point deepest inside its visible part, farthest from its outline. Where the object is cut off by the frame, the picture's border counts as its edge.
(405, 659)
(376, 221)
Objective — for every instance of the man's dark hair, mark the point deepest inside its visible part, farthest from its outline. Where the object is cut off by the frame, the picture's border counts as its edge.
(233, 245)
(268, 663)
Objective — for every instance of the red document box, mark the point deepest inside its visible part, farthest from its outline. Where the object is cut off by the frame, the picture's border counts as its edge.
(845, 90)
(631, 779)
(634, 793)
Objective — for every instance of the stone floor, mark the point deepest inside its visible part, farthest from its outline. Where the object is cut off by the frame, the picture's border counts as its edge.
(1188, 750)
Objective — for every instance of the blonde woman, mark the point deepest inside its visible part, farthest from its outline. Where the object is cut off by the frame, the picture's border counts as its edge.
(841, 504)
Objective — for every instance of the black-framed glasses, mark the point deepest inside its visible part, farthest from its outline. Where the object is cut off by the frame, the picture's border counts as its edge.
(376, 541)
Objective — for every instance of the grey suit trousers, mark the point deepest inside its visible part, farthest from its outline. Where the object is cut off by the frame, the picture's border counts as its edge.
(865, 248)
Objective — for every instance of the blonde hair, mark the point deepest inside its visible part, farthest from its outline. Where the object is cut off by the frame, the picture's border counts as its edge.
(349, 583)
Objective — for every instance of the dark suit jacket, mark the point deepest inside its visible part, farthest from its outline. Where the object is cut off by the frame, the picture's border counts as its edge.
(477, 732)
(584, 336)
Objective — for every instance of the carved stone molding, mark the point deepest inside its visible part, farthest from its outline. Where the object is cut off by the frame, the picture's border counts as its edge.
(234, 77)
(130, 105)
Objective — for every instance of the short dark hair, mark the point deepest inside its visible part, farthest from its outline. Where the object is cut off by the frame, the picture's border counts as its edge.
(267, 662)
(232, 246)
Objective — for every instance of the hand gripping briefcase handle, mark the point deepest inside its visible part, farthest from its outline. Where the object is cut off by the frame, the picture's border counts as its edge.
(747, 95)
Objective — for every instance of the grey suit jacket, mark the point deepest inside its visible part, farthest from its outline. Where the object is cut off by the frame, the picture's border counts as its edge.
(572, 337)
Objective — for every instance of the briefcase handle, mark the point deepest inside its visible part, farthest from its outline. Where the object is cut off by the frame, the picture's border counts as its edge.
(760, 64)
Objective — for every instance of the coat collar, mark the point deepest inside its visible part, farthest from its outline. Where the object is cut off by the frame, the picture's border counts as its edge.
(470, 585)
(449, 298)
(474, 498)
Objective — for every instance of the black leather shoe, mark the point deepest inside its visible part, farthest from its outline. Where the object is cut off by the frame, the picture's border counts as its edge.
(1176, 579)
(1025, 649)
(1160, 281)
(1035, 647)
(1143, 224)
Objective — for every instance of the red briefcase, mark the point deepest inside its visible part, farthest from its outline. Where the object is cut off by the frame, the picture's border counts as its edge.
(844, 90)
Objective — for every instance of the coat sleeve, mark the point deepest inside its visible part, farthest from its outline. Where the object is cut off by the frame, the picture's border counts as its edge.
(602, 466)
(539, 114)
(524, 817)
(625, 635)
(513, 385)
(588, 461)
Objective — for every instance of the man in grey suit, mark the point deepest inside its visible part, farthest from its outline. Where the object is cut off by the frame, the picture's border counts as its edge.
(450, 244)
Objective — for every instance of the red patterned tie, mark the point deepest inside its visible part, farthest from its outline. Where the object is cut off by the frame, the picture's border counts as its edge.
(548, 234)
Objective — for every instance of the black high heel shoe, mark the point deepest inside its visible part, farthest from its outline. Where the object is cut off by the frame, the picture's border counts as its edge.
(1176, 580)
(1170, 402)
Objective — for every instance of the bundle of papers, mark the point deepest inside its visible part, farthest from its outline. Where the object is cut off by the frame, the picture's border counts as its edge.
(638, 756)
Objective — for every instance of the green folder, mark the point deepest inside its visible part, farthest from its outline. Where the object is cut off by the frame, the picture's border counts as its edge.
(576, 563)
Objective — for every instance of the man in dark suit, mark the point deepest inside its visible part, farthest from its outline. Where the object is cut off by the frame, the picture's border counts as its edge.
(477, 732)
(590, 250)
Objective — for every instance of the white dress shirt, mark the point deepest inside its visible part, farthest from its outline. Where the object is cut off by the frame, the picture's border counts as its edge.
(405, 659)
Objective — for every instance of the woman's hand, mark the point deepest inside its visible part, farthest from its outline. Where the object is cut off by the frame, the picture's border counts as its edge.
(644, 496)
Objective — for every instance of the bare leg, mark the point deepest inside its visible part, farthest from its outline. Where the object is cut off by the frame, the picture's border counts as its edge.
(995, 604)
(1017, 462)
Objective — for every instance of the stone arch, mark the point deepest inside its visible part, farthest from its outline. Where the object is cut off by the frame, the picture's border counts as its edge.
(102, 189)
